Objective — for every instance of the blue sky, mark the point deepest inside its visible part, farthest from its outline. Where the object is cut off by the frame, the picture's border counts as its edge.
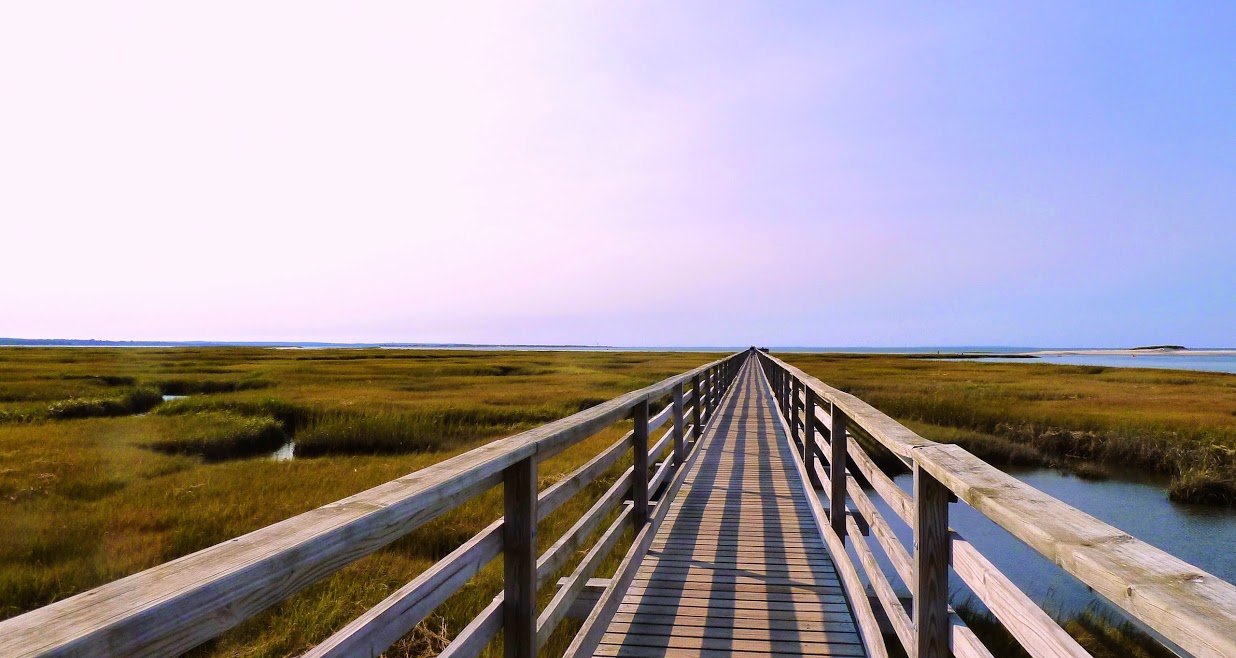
(1055, 174)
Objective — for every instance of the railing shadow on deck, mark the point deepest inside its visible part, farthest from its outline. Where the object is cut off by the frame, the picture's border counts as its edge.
(177, 606)
(1189, 607)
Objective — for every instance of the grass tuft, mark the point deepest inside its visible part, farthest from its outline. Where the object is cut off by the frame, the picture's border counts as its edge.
(135, 401)
(221, 435)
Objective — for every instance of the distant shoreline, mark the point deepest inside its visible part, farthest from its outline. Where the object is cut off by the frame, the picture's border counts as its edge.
(1135, 352)
(959, 351)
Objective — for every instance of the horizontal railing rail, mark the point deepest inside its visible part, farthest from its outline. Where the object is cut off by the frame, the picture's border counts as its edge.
(176, 606)
(1189, 607)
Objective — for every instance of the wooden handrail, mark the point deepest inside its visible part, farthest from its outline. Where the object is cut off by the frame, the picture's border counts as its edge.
(176, 606)
(1186, 605)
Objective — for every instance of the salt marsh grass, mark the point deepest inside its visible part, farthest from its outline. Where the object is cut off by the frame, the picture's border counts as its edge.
(85, 501)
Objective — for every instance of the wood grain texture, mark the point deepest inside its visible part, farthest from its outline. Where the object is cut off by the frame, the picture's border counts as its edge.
(382, 625)
(519, 582)
(837, 440)
(931, 559)
(639, 485)
(560, 605)
(737, 564)
(680, 441)
(561, 551)
(1033, 628)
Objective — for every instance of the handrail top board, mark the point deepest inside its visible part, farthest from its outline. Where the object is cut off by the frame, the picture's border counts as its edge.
(209, 591)
(1192, 608)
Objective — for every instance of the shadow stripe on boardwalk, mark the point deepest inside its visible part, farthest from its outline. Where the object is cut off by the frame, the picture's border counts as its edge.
(737, 567)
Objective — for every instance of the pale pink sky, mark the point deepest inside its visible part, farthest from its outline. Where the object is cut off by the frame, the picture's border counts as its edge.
(623, 173)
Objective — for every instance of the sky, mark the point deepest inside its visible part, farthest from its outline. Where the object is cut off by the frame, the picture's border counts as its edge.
(623, 173)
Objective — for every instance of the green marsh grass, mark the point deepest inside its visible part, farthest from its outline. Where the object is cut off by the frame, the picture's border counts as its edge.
(88, 500)
(217, 435)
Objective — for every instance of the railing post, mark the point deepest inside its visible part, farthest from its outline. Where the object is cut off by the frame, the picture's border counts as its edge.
(639, 485)
(785, 390)
(519, 491)
(696, 430)
(809, 437)
(708, 407)
(836, 471)
(780, 377)
(931, 560)
(680, 442)
(795, 385)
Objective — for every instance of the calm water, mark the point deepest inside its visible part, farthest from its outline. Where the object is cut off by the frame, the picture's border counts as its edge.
(1201, 535)
(285, 453)
(1203, 362)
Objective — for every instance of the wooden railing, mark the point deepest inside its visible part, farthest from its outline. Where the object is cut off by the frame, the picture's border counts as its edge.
(1191, 608)
(176, 606)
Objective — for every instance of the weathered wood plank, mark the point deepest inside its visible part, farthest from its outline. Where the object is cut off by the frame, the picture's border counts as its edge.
(719, 610)
(891, 545)
(639, 485)
(559, 492)
(731, 644)
(557, 608)
(884, 591)
(931, 559)
(680, 440)
(860, 605)
(382, 625)
(710, 590)
(571, 540)
(519, 559)
(634, 651)
(1037, 632)
(477, 635)
(738, 544)
(593, 628)
(825, 622)
(727, 631)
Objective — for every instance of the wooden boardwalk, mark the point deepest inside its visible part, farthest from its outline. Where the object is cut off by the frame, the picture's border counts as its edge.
(738, 566)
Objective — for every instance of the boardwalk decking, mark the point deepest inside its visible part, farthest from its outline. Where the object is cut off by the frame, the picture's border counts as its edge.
(738, 566)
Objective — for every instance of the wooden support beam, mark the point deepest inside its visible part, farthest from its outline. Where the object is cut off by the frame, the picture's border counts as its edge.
(696, 423)
(836, 471)
(931, 559)
(519, 485)
(809, 446)
(793, 410)
(639, 486)
(680, 441)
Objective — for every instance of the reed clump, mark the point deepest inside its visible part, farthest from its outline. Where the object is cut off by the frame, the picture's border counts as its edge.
(385, 432)
(222, 435)
(291, 415)
(200, 386)
(135, 401)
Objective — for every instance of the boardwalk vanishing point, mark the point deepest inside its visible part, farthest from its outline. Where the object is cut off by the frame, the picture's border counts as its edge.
(747, 527)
